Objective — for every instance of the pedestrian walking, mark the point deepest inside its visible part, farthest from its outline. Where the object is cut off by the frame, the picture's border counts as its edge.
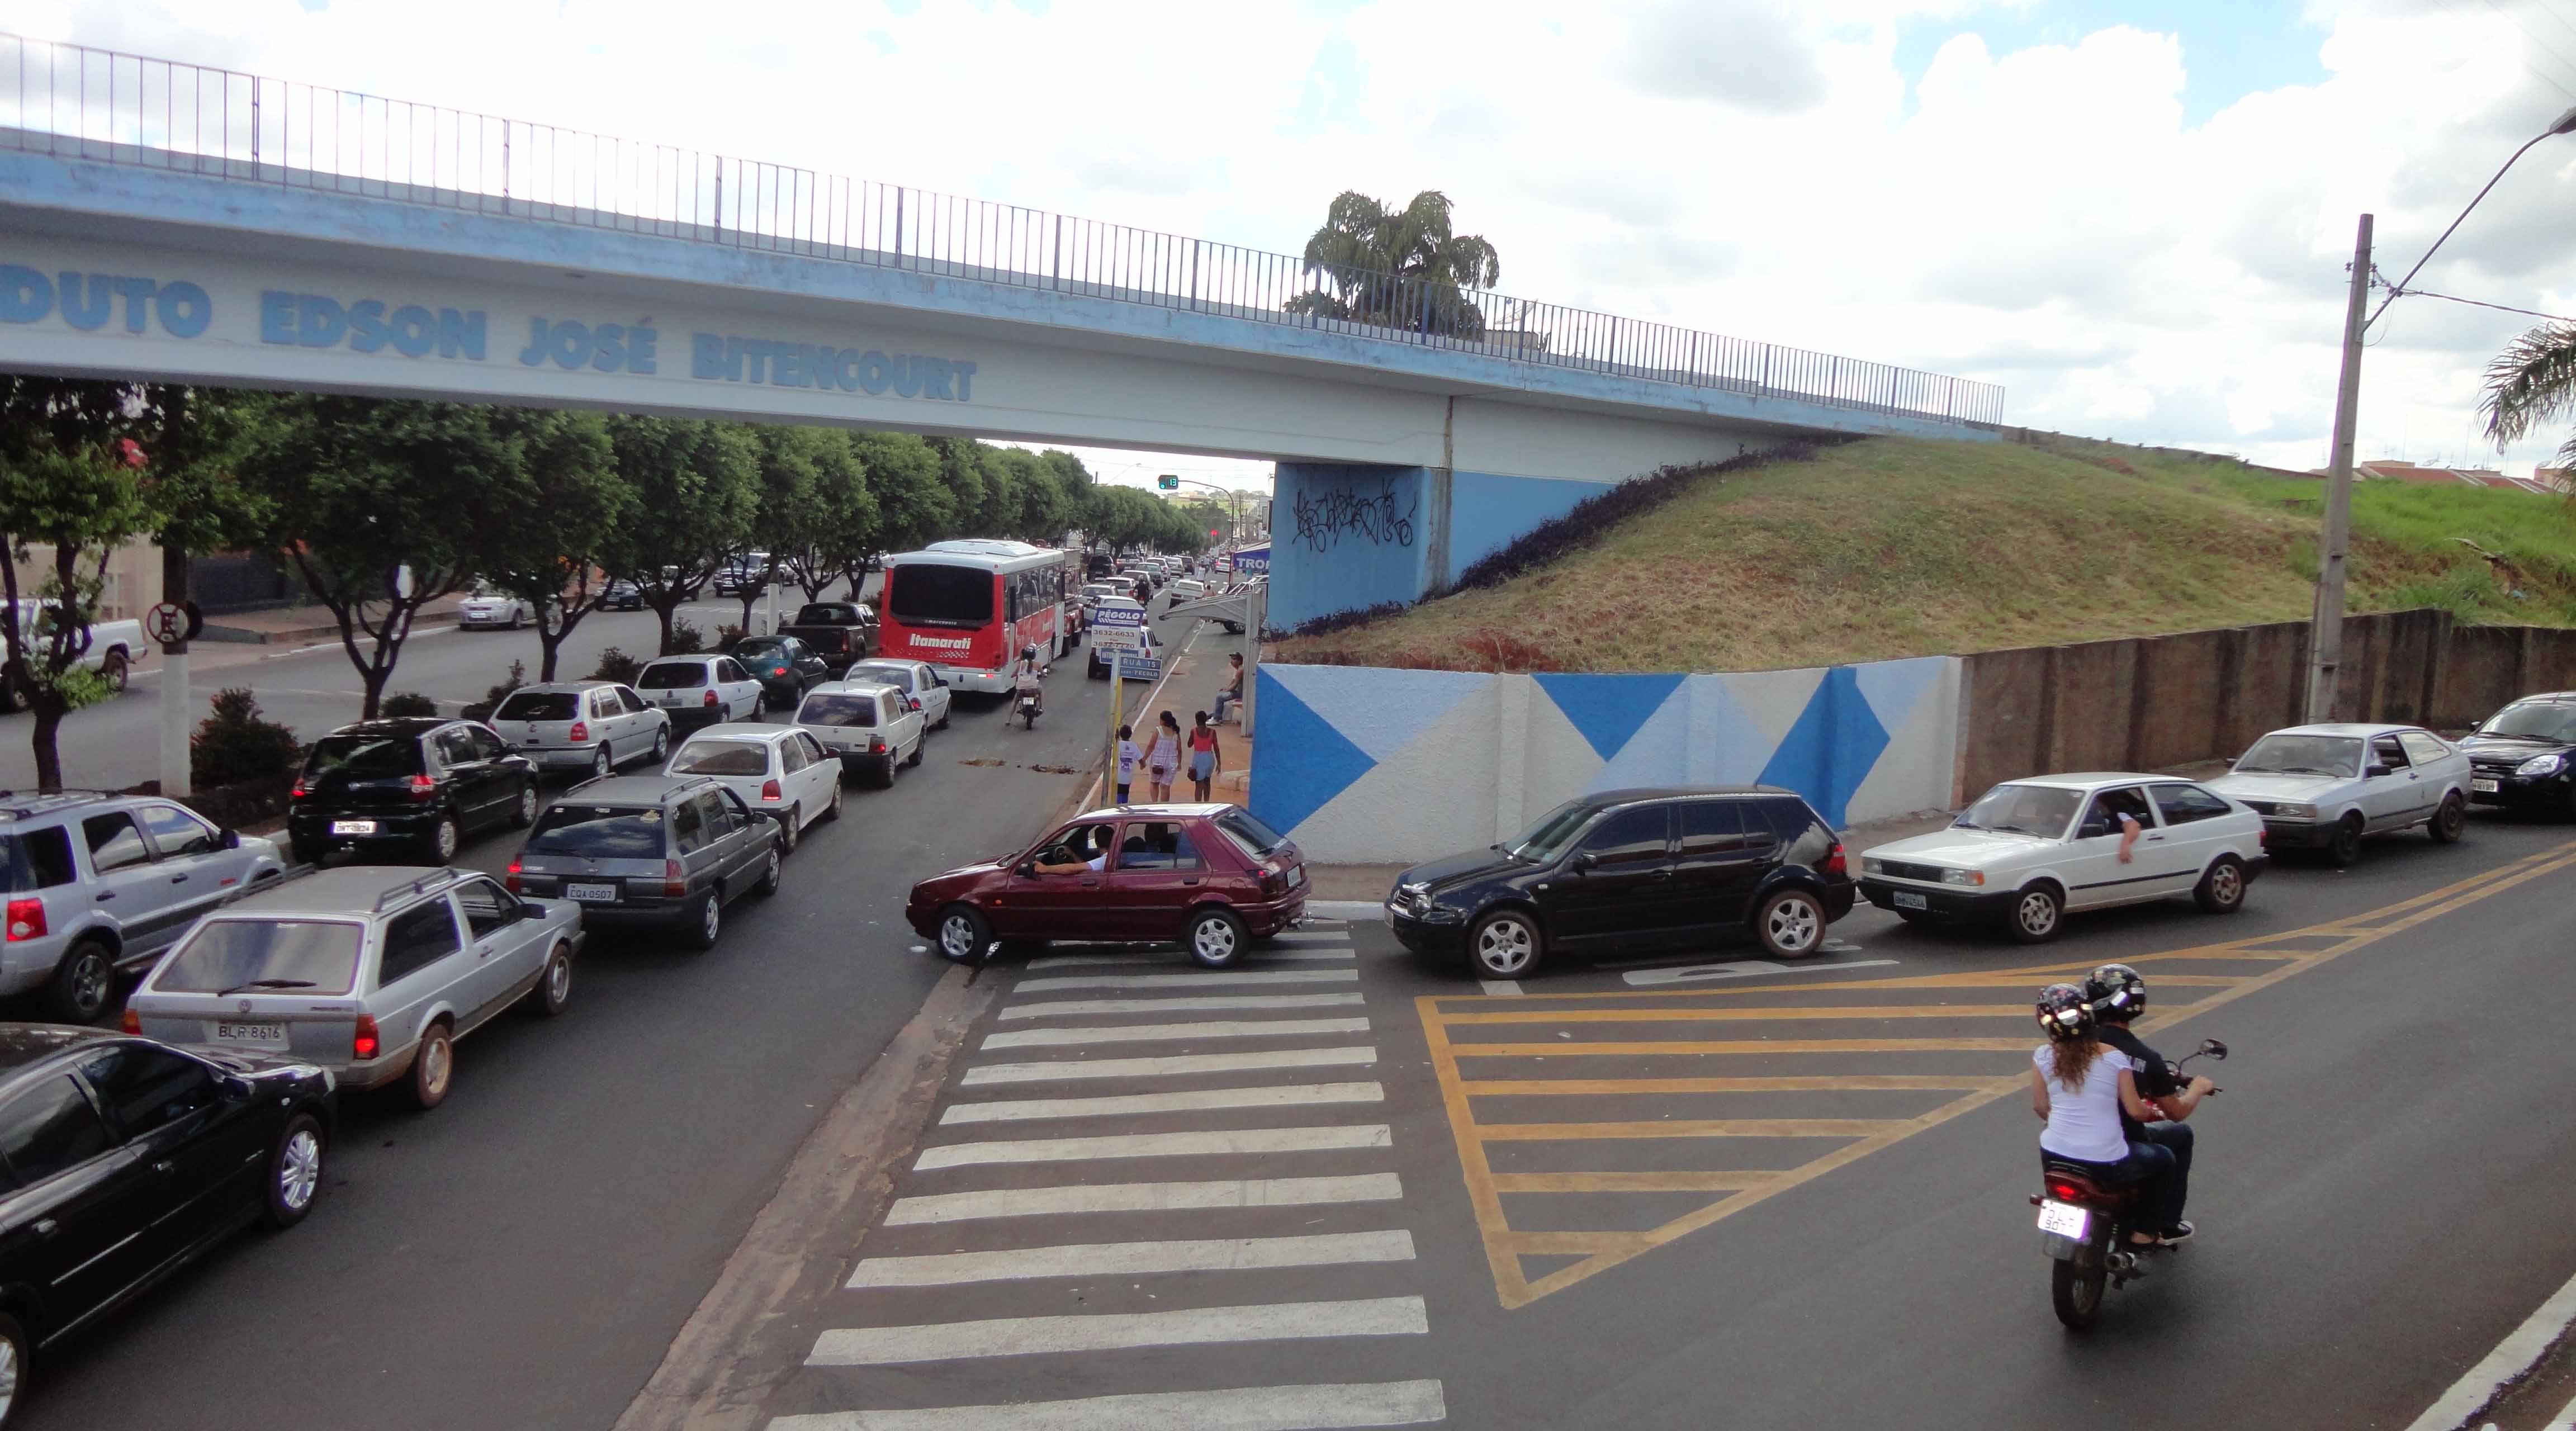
(1128, 758)
(1205, 759)
(1163, 758)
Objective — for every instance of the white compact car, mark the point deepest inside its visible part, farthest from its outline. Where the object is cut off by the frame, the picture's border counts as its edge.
(778, 770)
(700, 690)
(873, 728)
(928, 693)
(494, 609)
(2323, 787)
(2028, 851)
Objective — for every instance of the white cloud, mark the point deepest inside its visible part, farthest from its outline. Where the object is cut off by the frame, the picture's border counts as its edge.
(2041, 216)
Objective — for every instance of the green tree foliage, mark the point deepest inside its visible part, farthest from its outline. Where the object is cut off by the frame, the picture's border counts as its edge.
(1397, 268)
(236, 744)
(573, 502)
(697, 489)
(844, 523)
(915, 504)
(2531, 383)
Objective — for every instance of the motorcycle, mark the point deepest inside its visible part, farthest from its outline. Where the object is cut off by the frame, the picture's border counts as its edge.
(2084, 1228)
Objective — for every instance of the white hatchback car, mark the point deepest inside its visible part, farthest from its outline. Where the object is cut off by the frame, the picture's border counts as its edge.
(871, 727)
(700, 690)
(778, 770)
(2030, 850)
(582, 725)
(487, 608)
(2322, 787)
(929, 694)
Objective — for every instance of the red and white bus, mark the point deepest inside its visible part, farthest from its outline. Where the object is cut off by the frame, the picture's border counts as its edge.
(968, 608)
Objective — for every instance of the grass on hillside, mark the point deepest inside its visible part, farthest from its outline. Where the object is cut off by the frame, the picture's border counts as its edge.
(1909, 547)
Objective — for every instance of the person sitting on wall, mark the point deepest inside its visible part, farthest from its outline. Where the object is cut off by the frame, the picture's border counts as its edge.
(1232, 694)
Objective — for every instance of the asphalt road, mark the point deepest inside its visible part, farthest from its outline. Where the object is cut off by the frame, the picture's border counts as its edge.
(1372, 1221)
(522, 1257)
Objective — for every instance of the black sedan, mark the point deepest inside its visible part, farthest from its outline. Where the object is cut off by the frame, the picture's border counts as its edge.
(412, 786)
(2524, 756)
(785, 666)
(1625, 871)
(124, 1158)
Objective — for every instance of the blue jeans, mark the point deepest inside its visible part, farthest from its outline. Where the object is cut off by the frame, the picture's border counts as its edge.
(2148, 1165)
(2174, 1138)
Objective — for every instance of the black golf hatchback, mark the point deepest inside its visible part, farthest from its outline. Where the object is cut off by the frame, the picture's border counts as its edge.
(1625, 871)
(410, 787)
(122, 1158)
(2524, 756)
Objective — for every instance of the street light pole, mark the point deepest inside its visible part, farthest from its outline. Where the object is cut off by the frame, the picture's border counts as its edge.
(2325, 632)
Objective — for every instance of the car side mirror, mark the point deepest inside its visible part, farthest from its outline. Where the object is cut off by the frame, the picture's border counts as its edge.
(1028, 869)
(1582, 862)
(2374, 772)
(230, 838)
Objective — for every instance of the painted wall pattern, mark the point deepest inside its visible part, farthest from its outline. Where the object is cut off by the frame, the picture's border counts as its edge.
(1364, 765)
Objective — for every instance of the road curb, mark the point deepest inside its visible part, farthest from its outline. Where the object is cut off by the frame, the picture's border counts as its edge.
(714, 1377)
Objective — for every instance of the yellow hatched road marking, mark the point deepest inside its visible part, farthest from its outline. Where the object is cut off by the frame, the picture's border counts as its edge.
(1602, 1250)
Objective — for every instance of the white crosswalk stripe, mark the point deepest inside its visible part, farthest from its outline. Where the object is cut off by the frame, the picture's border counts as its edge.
(1069, 1008)
(1193, 980)
(1222, 1142)
(1198, 1100)
(1143, 1197)
(1308, 952)
(1128, 1259)
(1159, 1033)
(1258, 1408)
(1201, 1326)
(1168, 1066)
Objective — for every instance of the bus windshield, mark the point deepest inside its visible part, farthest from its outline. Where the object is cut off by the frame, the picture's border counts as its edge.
(921, 595)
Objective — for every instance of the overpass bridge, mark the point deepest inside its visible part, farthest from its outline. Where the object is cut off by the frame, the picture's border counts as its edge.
(170, 221)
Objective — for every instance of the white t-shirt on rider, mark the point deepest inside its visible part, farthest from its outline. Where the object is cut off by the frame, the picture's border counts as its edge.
(2084, 1123)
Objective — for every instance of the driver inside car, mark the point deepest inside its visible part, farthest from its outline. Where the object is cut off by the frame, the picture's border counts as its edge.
(1092, 837)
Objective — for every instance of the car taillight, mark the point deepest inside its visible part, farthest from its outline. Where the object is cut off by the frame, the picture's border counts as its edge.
(778, 670)
(1273, 882)
(26, 919)
(580, 732)
(510, 880)
(2263, 838)
(130, 1022)
(710, 699)
(769, 792)
(912, 703)
(876, 745)
(303, 787)
(675, 880)
(364, 1044)
(423, 786)
(1834, 862)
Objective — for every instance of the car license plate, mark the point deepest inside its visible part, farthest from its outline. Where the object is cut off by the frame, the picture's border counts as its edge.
(2063, 1218)
(1296, 875)
(2483, 787)
(592, 893)
(353, 827)
(263, 1035)
(1905, 900)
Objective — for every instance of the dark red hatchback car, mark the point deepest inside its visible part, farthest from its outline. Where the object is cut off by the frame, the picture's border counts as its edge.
(1211, 876)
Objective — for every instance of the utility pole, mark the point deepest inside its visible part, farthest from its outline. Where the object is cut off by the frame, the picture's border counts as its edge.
(2325, 633)
(174, 680)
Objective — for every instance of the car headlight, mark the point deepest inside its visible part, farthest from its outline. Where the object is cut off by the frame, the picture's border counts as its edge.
(2293, 810)
(1870, 866)
(1963, 877)
(2541, 765)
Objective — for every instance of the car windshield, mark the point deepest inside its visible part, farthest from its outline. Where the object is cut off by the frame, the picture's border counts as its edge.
(756, 646)
(899, 677)
(539, 705)
(598, 832)
(2535, 720)
(230, 956)
(837, 710)
(364, 757)
(1554, 831)
(672, 676)
(722, 757)
(1256, 836)
(2040, 810)
(2303, 755)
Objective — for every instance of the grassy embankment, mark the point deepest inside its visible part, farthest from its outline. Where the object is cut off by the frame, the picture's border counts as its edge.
(1895, 547)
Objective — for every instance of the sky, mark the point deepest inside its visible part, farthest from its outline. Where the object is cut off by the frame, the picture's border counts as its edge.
(2136, 215)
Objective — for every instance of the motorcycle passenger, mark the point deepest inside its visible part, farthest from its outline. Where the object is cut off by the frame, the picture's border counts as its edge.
(1024, 678)
(2118, 995)
(2079, 1088)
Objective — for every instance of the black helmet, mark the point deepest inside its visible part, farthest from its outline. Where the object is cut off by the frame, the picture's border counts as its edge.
(1029, 653)
(2117, 991)
(2064, 1013)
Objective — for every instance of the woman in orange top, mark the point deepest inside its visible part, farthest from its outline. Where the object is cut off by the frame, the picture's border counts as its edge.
(1205, 759)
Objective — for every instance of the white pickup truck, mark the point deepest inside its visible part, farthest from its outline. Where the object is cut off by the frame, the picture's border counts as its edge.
(114, 647)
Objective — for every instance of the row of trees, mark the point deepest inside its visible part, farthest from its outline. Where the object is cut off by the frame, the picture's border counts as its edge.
(382, 507)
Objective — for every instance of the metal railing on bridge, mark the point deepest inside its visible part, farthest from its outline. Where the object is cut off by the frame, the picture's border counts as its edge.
(116, 108)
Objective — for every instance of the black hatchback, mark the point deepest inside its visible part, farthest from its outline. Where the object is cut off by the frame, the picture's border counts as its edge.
(410, 787)
(1627, 871)
(122, 1158)
(2524, 756)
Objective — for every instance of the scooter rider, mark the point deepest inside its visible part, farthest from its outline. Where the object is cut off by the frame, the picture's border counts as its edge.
(2119, 994)
(1025, 679)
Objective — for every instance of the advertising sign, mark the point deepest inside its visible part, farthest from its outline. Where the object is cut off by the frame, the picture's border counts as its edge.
(1139, 668)
(1253, 561)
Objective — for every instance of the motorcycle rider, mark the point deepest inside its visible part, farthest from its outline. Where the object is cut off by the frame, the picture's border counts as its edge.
(2079, 1088)
(1024, 678)
(2119, 994)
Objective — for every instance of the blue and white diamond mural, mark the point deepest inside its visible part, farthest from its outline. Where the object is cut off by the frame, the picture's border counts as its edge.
(1362, 765)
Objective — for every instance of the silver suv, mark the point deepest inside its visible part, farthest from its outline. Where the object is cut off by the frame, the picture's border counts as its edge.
(96, 883)
(370, 972)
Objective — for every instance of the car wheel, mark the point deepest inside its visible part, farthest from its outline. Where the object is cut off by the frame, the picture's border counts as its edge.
(887, 771)
(964, 933)
(600, 764)
(1215, 939)
(661, 744)
(770, 870)
(433, 1067)
(710, 921)
(443, 840)
(2038, 914)
(1506, 944)
(833, 810)
(117, 671)
(2222, 887)
(524, 813)
(2449, 822)
(554, 986)
(295, 1171)
(2345, 848)
(788, 834)
(82, 984)
(13, 1365)
(916, 753)
(1791, 924)
(943, 716)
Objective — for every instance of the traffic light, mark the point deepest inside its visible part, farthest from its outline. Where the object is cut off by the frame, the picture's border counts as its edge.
(1169, 482)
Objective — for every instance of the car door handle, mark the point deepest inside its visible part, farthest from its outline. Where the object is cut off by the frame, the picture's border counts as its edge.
(1193, 880)
(1091, 884)
(165, 1166)
(1663, 874)
(44, 1227)
(2155, 837)
(178, 879)
(107, 894)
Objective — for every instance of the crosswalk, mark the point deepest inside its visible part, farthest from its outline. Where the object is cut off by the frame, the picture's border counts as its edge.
(1153, 1196)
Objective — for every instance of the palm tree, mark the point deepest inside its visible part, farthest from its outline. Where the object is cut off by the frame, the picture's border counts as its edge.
(1397, 268)
(2531, 382)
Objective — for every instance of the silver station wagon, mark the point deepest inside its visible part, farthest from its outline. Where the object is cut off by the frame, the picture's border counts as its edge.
(372, 973)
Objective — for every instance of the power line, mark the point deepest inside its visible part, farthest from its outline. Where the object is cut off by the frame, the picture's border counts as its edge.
(2457, 7)
(2508, 17)
(2479, 303)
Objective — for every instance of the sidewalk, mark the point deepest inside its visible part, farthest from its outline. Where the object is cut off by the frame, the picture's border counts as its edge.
(305, 625)
(1198, 671)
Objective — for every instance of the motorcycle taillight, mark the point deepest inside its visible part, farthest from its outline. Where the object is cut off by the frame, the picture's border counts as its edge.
(2065, 1191)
